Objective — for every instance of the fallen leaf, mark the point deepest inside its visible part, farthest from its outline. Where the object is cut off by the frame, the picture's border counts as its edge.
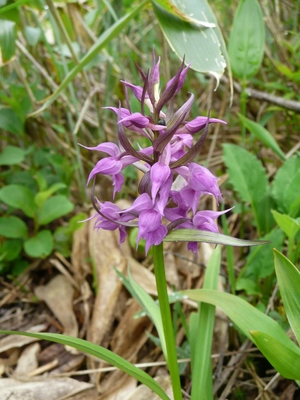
(41, 389)
(12, 341)
(142, 392)
(58, 295)
(27, 361)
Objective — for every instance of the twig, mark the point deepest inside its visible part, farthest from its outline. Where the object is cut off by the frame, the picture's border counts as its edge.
(292, 105)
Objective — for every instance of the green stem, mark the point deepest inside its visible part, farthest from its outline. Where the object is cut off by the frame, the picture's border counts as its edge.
(161, 285)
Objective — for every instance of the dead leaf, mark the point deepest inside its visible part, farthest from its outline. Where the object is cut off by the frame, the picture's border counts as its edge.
(121, 389)
(27, 361)
(58, 295)
(80, 251)
(106, 256)
(12, 341)
(142, 392)
(41, 389)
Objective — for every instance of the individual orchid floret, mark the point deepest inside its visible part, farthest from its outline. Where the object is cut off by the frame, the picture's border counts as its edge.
(197, 124)
(151, 228)
(112, 165)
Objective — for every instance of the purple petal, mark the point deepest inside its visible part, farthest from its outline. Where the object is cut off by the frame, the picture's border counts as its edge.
(181, 80)
(159, 174)
(197, 124)
(137, 90)
(107, 147)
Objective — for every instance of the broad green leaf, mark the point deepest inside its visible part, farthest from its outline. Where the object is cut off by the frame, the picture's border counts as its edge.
(171, 8)
(40, 245)
(289, 284)
(75, 222)
(11, 122)
(246, 317)
(252, 187)
(53, 208)
(295, 206)
(102, 41)
(10, 249)
(247, 39)
(12, 155)
(263, 135)
(289, 225)
(202, 343)
(286, 184)
(284, 359)
(13, 227)
(202, 47)
(100, 353)
(7, 41)
(260, 263)
(32, 35)
(41, 197)
(292, 196)
(20, 197)
(193, 235)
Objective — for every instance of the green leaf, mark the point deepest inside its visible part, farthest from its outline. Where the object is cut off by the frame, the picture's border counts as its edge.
(286, 184)
(20, 197)
(252, 187)
(11, 249)
(41, 197)
(7, 41)
(243, 314)
(12, 155)
(289, 284)
(76, 222)
(201, 338)
(53, 208)
(13, 227)
(248, 319)
(203, 47)
(150, 306)
(263, 135)
(286, 361)
(39, 246)
(32, 35)
(102, 41)
(289, 225)
(193, 235)
(11, 122)
(247, 38)
(176, 12)
(259, 263)
(100, 353)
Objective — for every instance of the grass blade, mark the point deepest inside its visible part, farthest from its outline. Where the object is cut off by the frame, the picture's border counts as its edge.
(101, 353)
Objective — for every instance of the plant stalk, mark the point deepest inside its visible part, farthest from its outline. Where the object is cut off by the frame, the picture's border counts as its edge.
(161, 285)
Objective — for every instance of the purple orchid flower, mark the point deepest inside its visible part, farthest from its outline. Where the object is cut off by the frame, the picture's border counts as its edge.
(172, 183)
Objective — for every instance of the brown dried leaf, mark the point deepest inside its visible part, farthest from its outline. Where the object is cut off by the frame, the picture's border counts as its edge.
(80, 251)
(130, 331)
(142, 392)
(120, 387)
(58, 295)
(41, 389)
(27, 361)
(12, 341)
(106, 256)
(142, 276)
